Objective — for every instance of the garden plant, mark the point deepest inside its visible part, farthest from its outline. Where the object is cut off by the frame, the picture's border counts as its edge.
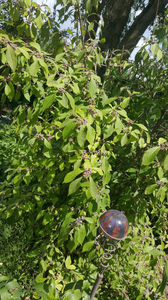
(73, 145)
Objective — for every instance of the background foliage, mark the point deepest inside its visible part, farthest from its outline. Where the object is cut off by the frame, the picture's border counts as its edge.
(76, 147)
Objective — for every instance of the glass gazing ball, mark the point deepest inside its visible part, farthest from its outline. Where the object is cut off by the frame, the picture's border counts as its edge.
(114, 225)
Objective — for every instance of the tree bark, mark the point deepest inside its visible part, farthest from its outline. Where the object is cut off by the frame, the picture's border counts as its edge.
(141, 23)
(115, 18)
(116, 15)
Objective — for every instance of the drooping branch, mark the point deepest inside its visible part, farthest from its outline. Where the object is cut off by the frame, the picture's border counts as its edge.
(141, 23)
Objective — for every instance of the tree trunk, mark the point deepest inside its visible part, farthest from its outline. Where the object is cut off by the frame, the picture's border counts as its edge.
(141, 23)
(116, 15)
(115, 18)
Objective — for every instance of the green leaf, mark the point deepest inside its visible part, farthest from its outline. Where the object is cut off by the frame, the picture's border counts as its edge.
(71, 175)
(160, 173)
(77, 163)
(12, 284)
(108, 131)
(163, 284)
(148, 249)
(141, 126)
(165, 164)
(161, 140)
(150, 189)
(81, 137)
(88, 246)
(124, 140)
(11, 58)
(34, 68)
(93, 188)
(75, 88)
(105, 165)
(68, 129)
(156, 252)
(17, 179)
(44, 66)
(71, 100)
(68, 261)
(39, 287)
(68, 264)
(159, 54)
(47, 154)
(28, 2)
(15, 14)
(40, 278)
(90, 134)
(81, 233)
(118, 125)
(163, 190)
(27, 178)
(73, 295)
(5, 295)
(154, 49)
(35, 45)
(142, 143)
(59, 57)
(106, 178)
(3, 278)
(65, 228)
(9, 91)
(88, 5)
(122, 113)
(92, 88)
(150, 155)
(47, 219)
(125, 102)
(74, 186)
(64, 101)
(48, 101)
(47, 144)
(32, 141)
(91, 26)
(108, 100)
(89, 220)
(140, 297)
(39, 21)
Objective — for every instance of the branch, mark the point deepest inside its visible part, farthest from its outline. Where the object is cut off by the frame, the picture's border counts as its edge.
(80, 23)
(94, 17)
(141, 23)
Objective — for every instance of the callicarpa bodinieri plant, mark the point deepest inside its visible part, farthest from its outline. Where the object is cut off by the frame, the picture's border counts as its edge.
(74, 147)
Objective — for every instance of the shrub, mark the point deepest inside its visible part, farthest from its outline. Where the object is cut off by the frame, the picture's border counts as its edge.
(78, 147)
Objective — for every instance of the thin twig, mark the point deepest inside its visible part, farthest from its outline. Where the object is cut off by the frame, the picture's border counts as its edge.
(80, 23)
(157, 8)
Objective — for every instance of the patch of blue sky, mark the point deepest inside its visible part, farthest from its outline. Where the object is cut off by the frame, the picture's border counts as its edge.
(50, 3)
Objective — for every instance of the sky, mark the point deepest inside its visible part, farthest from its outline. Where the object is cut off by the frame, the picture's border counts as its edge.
(50, 3)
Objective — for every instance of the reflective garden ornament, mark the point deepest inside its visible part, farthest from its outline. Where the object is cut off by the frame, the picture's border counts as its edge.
(113, 228)
(114, 225)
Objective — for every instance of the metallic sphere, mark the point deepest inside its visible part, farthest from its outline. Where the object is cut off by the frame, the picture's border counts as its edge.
(114, 225)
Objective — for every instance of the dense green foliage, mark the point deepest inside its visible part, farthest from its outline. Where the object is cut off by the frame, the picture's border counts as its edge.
(75, 148)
